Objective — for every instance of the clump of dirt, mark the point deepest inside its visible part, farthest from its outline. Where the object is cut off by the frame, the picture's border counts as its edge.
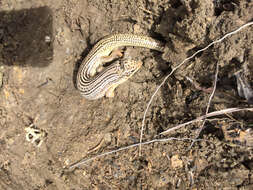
(44, 102)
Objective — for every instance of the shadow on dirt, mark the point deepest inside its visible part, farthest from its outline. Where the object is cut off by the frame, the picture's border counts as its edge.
(26, 37)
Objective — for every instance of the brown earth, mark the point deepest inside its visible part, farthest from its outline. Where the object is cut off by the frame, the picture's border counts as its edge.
(42, 43)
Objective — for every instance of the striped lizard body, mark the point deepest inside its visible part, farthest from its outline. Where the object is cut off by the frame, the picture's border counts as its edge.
(93, 86)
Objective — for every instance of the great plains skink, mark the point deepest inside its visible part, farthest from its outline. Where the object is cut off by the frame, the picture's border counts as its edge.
(93, 86)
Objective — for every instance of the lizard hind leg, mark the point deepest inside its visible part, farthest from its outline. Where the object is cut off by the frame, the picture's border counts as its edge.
(110, 92)
(105, 59)
(116, 53)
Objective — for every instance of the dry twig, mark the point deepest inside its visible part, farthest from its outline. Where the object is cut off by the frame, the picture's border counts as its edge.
(209, 102)
(84, 161)
(215, 113)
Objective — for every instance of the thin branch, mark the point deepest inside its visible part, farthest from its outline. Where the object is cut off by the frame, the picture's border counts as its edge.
(215, 113)
(209, 102)
(84, 161)
(179, 65)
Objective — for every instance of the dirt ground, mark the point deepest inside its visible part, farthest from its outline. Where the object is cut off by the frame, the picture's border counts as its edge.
(46, 125)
